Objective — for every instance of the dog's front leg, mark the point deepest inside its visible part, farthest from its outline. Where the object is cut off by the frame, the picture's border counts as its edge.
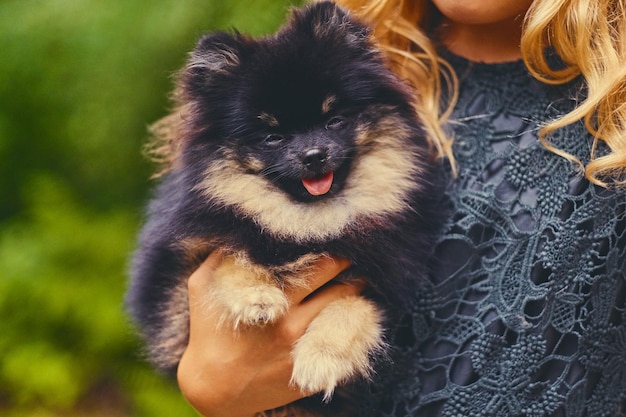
(339, 344)
(247, 293)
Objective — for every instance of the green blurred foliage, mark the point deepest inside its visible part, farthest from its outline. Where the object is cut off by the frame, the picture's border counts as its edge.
(80, 81)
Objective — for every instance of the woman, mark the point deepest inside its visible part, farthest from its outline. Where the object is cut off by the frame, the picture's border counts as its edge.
(527, 314)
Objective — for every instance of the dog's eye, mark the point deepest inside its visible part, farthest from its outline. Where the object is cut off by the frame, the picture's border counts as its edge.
(273, 139)
(335, 123)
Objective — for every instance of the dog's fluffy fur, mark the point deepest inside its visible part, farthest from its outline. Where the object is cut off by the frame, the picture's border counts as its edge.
(284, 149)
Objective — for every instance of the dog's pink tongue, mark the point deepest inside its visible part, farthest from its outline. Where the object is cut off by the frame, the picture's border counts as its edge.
(318, 186)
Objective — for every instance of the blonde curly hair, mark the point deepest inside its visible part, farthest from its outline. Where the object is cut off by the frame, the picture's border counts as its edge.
(588, 35)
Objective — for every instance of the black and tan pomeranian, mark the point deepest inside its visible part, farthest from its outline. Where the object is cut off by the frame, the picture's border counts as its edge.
(282, 150)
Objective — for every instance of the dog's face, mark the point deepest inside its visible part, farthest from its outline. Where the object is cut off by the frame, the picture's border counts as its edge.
(301, 141)
(303, 131)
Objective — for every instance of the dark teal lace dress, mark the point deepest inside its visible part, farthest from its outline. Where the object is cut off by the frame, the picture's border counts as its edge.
(527, 311)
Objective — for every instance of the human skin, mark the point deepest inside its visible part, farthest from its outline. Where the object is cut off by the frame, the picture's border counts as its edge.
(236, 374)
(483, 30)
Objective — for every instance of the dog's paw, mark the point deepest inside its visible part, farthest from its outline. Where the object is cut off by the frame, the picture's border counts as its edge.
(338, 345)
(257, 305)
(246, 294)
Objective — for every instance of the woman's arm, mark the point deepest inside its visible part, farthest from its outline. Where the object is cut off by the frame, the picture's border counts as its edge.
(232, 373)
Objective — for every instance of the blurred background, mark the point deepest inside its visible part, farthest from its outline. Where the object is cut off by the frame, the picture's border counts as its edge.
(80, 81)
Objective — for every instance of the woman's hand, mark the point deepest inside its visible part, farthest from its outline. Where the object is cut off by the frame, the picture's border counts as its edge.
(232, 373)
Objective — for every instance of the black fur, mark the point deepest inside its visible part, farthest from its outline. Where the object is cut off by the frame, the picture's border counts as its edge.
(321, 79)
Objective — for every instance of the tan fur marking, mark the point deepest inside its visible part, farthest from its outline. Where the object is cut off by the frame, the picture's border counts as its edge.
(379, 184)
(328, 103)
(253, 164)
(268, 119)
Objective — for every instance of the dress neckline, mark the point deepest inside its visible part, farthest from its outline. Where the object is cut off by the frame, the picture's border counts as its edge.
(464, 66)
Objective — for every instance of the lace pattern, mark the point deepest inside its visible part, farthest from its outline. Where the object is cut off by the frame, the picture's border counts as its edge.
(526, 314)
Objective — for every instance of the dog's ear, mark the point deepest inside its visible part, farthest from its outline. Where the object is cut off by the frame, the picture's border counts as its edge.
(327, 22)
(215, 54)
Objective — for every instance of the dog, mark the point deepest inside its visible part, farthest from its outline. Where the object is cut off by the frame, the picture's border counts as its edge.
(281, 150)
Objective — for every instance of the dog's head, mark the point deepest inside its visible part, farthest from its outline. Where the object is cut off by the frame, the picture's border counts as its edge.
(304, 130)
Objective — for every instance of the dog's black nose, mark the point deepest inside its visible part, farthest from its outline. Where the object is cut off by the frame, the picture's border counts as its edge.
(315, 158)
